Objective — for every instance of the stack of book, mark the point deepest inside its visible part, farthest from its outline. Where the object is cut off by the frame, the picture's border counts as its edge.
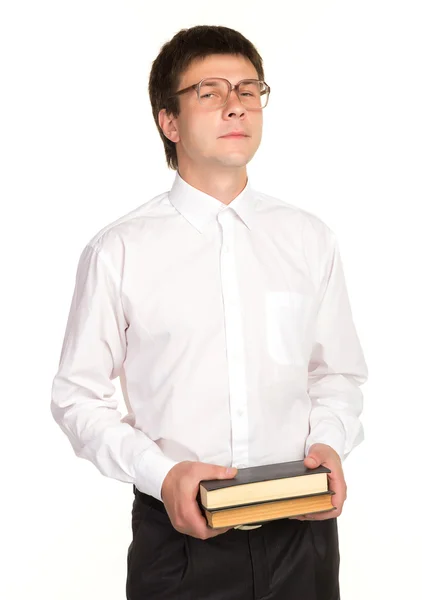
(264, 493)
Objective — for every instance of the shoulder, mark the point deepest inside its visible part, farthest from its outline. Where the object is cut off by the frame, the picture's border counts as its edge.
(127, 228)
(286, 214)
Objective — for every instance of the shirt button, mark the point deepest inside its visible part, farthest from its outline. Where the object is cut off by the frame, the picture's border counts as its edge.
(240, 412)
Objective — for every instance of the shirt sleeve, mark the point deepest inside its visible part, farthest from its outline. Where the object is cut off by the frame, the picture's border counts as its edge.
(337, 366)
(92, 356)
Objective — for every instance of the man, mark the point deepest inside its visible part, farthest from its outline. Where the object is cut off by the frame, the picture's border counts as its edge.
(225, 313)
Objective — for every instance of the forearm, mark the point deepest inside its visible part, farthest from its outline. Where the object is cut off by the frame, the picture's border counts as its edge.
(96, 433)
(337, 366)
(334, 418)
(92, 356)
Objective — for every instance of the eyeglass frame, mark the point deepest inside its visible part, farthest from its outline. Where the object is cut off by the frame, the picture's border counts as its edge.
(197, 86)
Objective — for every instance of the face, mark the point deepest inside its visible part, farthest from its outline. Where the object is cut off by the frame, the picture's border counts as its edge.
(198, 131)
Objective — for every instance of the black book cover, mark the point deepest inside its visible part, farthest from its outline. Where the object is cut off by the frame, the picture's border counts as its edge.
(260, 473)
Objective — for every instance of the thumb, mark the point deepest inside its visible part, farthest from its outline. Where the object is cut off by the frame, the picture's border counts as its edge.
(311, 462)
(228, 472)
(225, 472)
(210, 471)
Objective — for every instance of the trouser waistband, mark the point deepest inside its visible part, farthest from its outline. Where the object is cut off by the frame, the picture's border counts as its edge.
(150, 500)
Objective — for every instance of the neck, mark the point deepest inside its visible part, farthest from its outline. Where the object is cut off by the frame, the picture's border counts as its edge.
(224, 186)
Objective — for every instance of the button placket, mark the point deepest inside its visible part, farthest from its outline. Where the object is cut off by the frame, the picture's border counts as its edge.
(234, 342)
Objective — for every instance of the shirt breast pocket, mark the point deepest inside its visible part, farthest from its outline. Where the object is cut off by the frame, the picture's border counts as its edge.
(287, 319)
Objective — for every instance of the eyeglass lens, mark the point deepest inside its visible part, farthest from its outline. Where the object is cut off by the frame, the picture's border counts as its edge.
(214, 93)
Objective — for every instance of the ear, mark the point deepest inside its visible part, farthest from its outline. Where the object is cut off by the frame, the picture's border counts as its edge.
(168, 125)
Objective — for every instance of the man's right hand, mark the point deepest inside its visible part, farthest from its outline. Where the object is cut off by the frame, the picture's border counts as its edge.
(179, 492)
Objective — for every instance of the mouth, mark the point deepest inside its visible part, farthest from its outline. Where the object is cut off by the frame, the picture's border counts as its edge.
(235, 136)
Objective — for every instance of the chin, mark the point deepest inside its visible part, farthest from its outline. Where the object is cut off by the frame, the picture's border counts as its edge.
(236, 160)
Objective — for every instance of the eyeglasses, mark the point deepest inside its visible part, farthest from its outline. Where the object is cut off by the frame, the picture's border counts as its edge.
(214, 92)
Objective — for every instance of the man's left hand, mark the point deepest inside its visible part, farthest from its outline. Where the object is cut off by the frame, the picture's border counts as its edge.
(321, 454)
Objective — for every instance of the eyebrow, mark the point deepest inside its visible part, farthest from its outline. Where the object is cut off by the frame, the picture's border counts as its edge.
(243, 79)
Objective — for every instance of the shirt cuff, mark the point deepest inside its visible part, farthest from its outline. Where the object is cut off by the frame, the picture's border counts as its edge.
(327, 433)
(151, 470)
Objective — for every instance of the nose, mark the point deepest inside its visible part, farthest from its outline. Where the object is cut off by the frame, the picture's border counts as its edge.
(234, 104)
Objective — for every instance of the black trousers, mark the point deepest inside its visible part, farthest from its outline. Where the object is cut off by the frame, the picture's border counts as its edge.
(282, 560)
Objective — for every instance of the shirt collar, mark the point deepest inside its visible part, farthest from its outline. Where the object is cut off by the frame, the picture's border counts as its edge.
(199, 208)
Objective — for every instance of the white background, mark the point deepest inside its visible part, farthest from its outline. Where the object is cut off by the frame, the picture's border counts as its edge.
(79, 148)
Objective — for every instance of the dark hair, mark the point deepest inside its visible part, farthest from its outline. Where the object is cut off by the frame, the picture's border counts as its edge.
(174, 59)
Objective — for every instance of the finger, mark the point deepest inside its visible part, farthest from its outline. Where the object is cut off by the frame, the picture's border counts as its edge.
(337, 501)
(338, 486)
(200, 524)
(195, 522)
(336, 478)
(323, 516)
(213, 532)
(338, 498)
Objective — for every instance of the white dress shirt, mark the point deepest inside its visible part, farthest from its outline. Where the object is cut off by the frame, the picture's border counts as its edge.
(230, 329)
